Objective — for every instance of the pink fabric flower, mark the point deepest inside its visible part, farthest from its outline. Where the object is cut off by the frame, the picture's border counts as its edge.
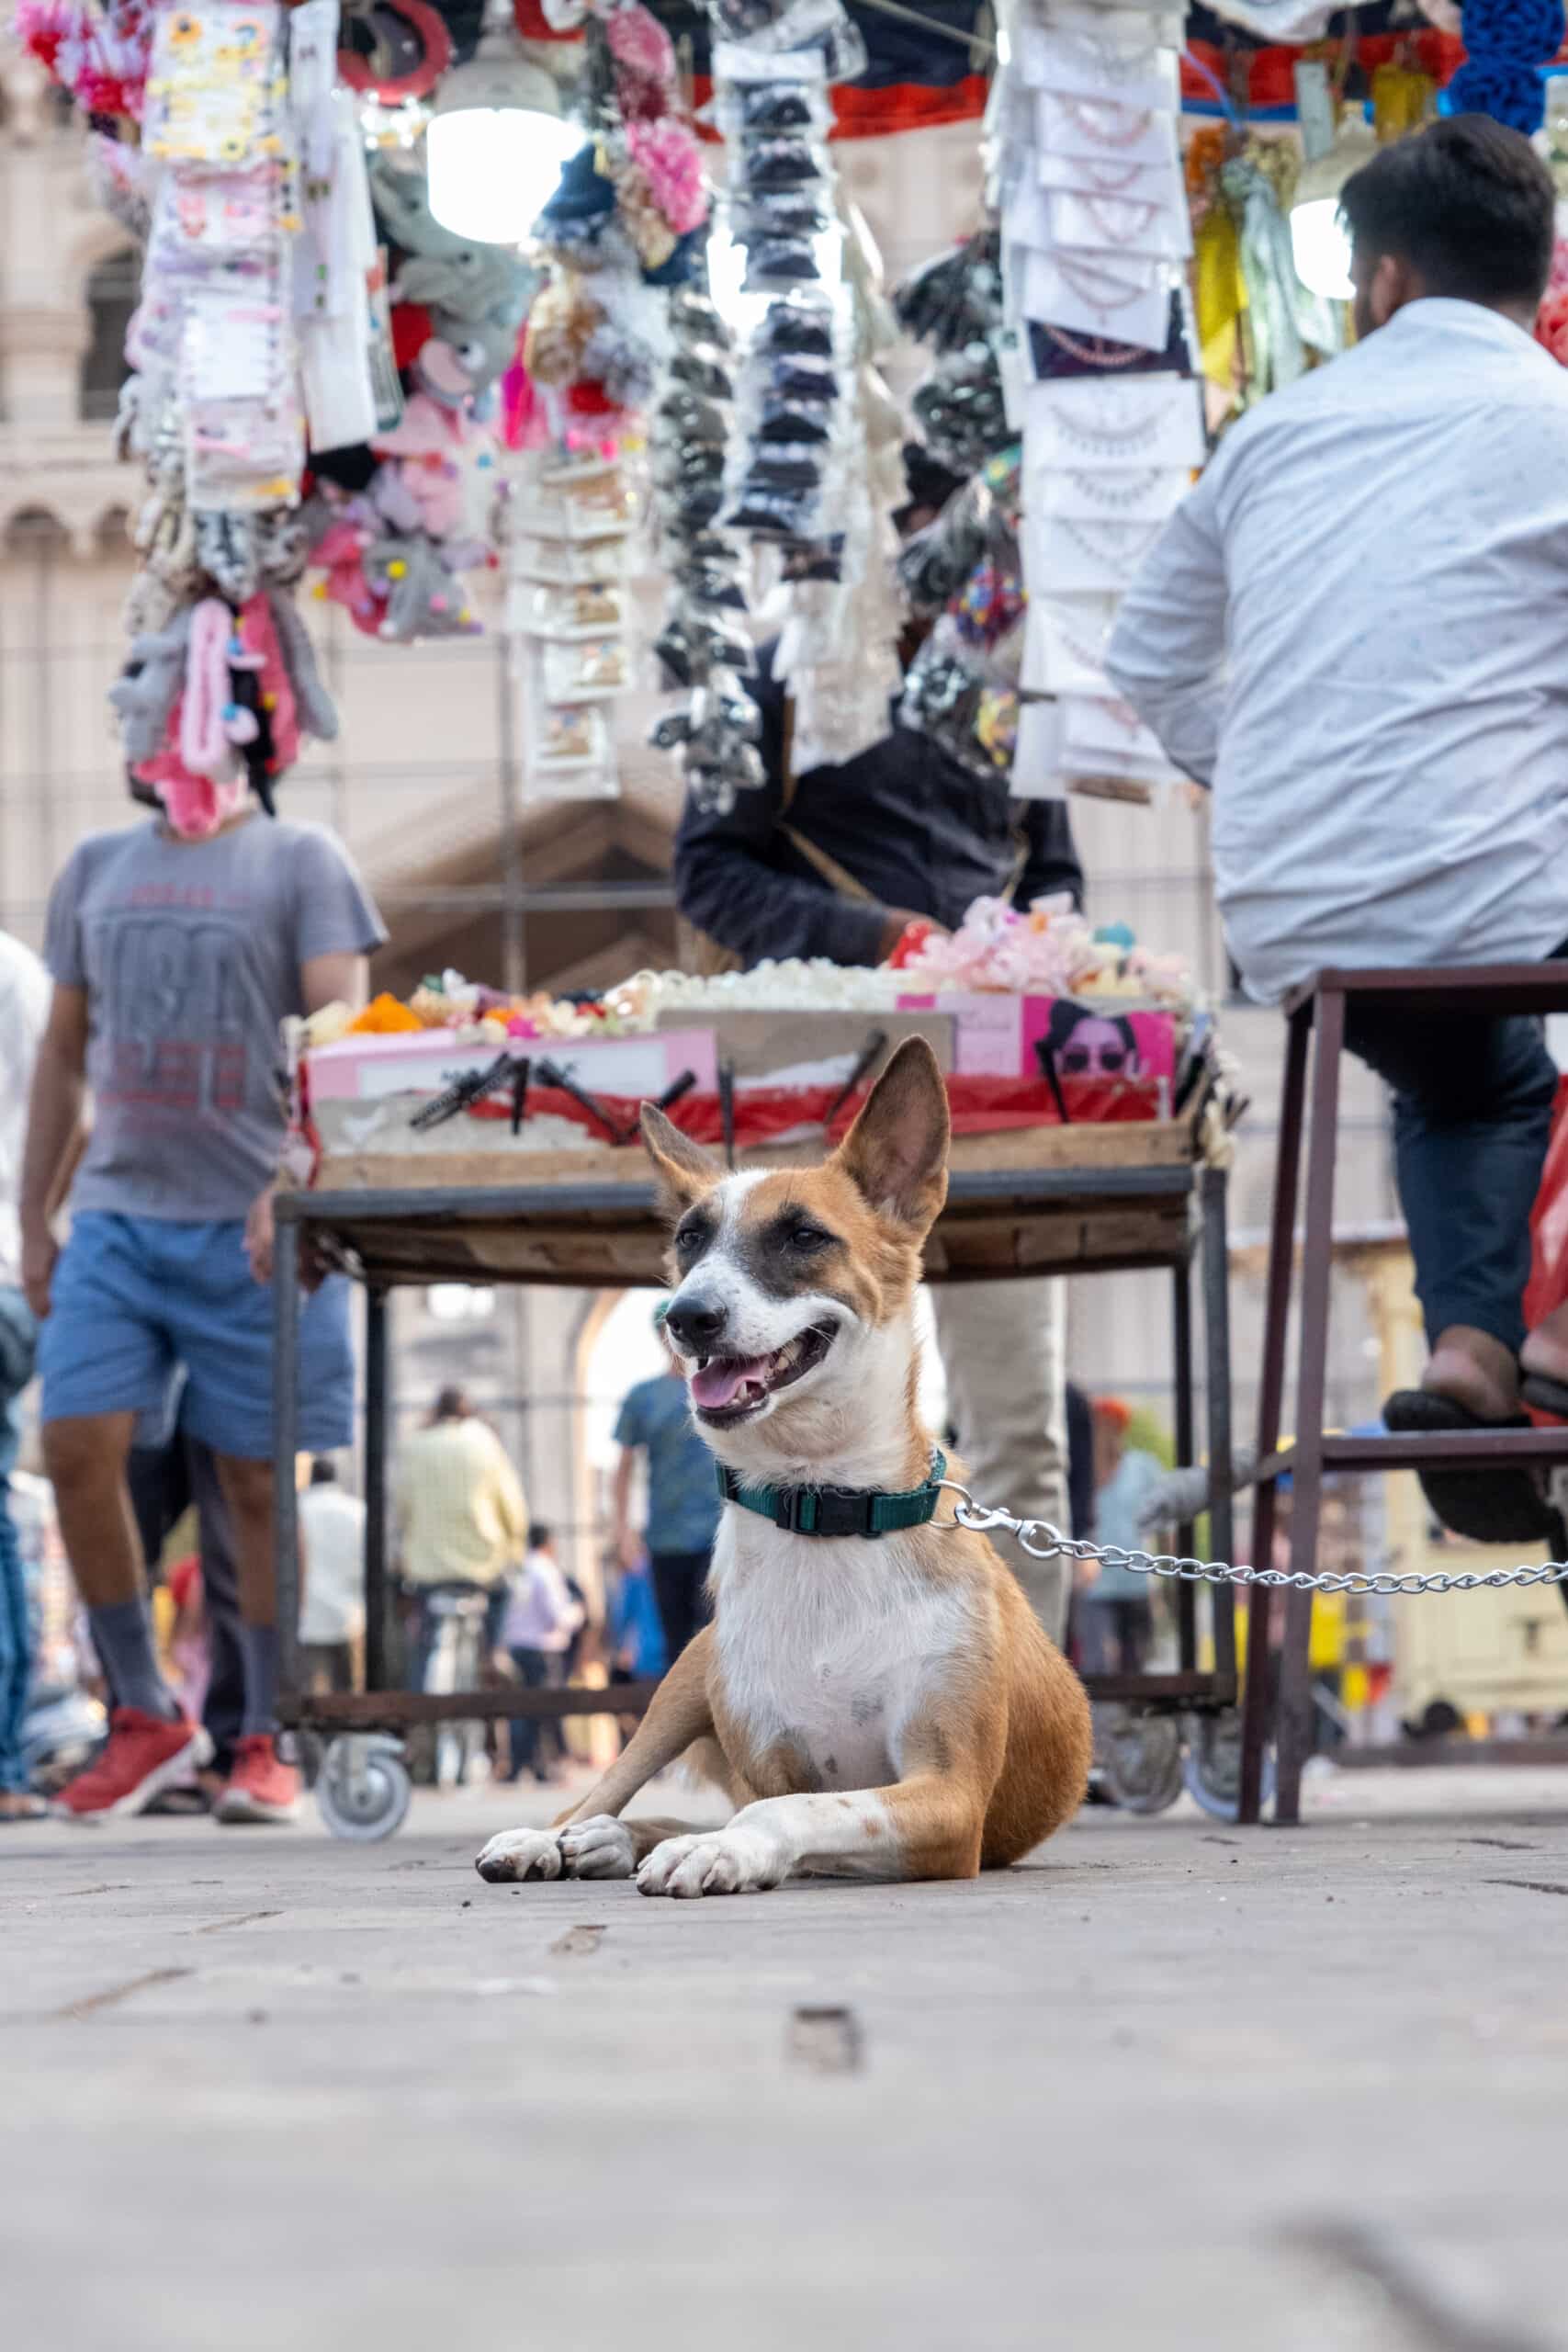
(671, 162)
(639, 42)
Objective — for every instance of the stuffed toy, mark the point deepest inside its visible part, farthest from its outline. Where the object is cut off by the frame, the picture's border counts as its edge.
(145, 695)
(421, 598)
(318, 712)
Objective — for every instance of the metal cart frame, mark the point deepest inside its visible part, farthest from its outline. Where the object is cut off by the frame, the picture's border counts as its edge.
(1107, 1219)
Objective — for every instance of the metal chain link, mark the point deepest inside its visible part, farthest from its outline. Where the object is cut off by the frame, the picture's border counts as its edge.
(1029, 1533)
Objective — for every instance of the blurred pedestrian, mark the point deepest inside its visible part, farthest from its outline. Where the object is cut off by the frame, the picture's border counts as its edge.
(1115, 1619)
(462, 1521)
(24, 1009)
(542, 1616)
(683, 1502)
(331, 1563)
(176, 957)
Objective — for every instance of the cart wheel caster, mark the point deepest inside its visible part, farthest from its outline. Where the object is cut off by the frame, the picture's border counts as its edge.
(1212, 1765)
(1140, 1756)
(363, 1788)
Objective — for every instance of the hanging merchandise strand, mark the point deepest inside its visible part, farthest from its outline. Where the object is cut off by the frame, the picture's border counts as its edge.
(1043, 1542)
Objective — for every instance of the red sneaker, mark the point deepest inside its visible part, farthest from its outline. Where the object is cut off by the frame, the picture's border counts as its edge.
(261, 1787)
(144, 1754)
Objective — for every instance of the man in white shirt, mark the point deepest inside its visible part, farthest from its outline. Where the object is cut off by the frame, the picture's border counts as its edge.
(331, 1540)
(1356, 630)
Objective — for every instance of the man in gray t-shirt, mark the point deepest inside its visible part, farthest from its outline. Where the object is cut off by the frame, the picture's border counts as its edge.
(173, 962)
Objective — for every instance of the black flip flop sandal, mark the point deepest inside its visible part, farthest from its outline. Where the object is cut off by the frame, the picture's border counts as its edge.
(1496, 1504)
(1548, 1395)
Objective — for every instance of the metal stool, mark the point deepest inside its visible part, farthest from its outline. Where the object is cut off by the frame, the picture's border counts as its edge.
(1321, 1004)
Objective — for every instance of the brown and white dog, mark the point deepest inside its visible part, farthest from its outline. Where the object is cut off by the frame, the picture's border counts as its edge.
(877, 1707)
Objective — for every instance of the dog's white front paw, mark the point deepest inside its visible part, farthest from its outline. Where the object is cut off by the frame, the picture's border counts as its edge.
(719, 1862)
(519, 1854)
(599, 1848)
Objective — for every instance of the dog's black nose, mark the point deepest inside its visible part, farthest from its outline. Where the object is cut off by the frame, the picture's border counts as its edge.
(696, 1326)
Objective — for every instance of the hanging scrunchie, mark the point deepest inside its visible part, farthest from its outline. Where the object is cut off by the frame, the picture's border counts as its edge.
(1503, 87)
(1530, 30)
(1508, 42)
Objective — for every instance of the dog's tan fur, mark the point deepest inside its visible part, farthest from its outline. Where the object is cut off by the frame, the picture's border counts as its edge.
(992, 1749)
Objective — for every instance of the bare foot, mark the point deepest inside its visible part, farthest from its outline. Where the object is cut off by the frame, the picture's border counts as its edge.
(19, 1806)
(1476, 1371)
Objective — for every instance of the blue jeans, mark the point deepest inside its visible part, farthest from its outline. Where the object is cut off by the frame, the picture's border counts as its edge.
(1472, 1100)
(16, 1335)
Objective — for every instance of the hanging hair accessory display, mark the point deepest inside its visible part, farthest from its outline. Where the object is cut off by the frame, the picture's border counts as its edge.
(621, 237)
(1102, 374)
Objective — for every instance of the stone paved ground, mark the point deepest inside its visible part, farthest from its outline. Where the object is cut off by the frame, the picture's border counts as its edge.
(1171, 2085)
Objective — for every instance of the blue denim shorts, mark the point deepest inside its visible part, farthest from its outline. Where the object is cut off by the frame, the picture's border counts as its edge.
(136, 1299)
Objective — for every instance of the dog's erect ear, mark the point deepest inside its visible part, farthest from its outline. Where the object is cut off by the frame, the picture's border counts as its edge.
(683, 1171)
(896, 1151)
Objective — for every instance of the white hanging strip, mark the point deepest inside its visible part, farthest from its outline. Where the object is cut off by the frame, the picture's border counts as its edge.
(1095, 236)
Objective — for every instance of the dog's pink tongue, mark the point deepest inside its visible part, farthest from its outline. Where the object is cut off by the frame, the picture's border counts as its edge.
(719, 1381)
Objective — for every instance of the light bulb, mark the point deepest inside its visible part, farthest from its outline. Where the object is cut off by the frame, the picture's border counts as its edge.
(493, 169)
(1321, 250)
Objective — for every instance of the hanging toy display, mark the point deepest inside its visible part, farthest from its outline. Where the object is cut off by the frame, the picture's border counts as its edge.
(837, 603)
(953, 305)
(236, 117)
(621, 230)
(620, 240)
(401, 510)
(962, 687)
(772, 427)
(702, 649)
(962, 571)
(570, 520)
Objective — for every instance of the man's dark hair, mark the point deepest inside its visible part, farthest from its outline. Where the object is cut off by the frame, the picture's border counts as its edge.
(540, 1535)
(1468, 203)
(323, 1470)
(452, 1405)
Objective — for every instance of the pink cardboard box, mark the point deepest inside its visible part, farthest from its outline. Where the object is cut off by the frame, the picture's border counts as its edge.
(996, 1036)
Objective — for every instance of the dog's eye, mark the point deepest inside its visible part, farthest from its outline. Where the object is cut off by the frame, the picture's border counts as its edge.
(808, 1237)
(689, 1237)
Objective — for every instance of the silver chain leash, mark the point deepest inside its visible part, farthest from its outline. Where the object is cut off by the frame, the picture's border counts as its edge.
(1043, 1542)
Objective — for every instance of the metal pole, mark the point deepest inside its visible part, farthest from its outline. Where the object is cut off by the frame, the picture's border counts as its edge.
(1294, 1734)
(285, 1444)
(376, 1406)
(1270, 1400)
(1217, 1345)
(1181, 1320)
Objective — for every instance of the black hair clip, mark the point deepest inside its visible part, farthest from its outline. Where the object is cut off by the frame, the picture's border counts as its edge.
(551, 1074)
(463, 1091)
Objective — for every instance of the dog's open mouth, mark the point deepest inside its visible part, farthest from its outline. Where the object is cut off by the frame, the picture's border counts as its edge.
(731, 1388)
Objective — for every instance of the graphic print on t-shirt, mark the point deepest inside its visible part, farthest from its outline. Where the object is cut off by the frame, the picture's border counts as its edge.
(171, 1012)
(191, 955)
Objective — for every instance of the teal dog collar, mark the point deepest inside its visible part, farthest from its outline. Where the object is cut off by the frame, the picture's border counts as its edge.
(838, 1510)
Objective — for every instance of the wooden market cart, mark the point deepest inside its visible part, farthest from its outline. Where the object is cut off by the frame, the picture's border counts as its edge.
(1079, 1198)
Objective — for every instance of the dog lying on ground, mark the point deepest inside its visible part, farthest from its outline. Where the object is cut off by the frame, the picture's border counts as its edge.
(877, 1697)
